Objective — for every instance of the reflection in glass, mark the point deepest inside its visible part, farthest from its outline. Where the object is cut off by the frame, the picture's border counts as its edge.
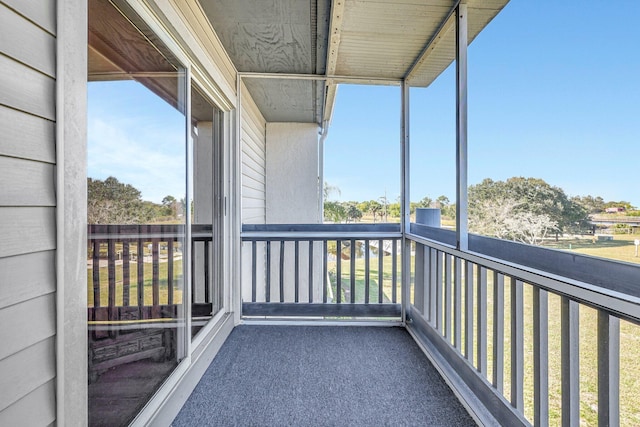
(137, 214)
(208, 210)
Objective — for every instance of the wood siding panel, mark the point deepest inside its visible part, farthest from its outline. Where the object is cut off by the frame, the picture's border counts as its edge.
(25, 324)
(26, 230)
(22, 412)
(26, 183)
(27, 371)
(41, 12)
(27, 90)
(27, 43)
(24, 277)
(26, 136)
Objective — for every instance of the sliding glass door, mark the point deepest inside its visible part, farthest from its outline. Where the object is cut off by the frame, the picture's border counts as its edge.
(139, 213)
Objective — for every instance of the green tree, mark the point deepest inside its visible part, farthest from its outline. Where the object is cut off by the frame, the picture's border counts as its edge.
(522, 209)
(375, 208)
(442, 201)
(170, 206)
(328, 190)
(395, 210)
(592, 204)
(113, 202)
(412, 207)
(425, 202)
(353, 214)
(364, 206)
(334, 212)
(384, 202)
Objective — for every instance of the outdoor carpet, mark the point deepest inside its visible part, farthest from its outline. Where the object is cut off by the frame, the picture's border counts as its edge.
(321, 376)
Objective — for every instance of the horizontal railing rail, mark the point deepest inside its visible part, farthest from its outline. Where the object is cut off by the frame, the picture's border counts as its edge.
(321, 270)
(469, 307)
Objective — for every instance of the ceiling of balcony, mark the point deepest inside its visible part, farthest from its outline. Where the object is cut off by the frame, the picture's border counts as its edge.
(368, 39)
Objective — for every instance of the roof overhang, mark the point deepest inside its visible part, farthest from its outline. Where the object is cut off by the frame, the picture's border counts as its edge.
(293, 53)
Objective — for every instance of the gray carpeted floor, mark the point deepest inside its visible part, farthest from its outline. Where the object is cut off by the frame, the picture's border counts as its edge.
(321, 376)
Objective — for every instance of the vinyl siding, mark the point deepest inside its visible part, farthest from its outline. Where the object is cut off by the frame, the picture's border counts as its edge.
(27, 211)
(253, 140)
(253, 143)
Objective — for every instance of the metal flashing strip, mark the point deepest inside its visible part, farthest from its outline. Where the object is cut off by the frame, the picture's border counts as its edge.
(322, 77)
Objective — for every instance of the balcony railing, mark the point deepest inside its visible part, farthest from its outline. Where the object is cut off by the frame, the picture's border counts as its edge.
(505, 323)
(135, 291)
(346, 271)
(464, 303)
(119, 247)
(502, 320)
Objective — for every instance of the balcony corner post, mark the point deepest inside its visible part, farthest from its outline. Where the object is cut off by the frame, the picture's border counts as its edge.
(406, 201)
(462, 236)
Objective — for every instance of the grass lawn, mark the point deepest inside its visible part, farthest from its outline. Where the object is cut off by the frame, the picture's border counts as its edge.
(133, 284)
(621, 248)
(360, 280)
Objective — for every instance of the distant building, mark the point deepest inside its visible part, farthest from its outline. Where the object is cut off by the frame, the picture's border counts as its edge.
(615, 209)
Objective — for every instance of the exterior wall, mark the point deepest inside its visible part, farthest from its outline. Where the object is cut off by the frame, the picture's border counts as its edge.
(293, 197)
(35, 62)
(27, 212)
(292, 173)
(253, 176)
(253, 142)
(43, 194)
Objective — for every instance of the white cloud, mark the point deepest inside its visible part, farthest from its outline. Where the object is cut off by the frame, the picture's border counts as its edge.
(149, 156)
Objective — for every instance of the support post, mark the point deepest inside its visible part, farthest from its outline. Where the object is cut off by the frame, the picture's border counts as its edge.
(405, 197)
(462, 236)
(570, 355)
(608, 369)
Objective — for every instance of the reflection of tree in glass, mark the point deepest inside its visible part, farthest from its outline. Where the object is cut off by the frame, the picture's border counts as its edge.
(114, 202)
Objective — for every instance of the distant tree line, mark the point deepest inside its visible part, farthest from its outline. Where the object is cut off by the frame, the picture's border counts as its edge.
(521, 209)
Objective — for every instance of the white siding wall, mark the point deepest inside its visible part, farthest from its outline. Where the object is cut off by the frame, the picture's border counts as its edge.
(27, 212)
(254, 158)
(253, 162)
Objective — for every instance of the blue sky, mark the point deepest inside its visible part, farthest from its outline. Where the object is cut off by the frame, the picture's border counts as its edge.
(136, 137)
(554, 93)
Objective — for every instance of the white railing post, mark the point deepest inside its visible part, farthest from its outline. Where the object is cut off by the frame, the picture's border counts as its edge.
(517, 344)
(570, 331)
(540, 357)
(498, 331)
(608, 369)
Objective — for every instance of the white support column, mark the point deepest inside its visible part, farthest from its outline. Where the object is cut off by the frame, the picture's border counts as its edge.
(405, 198)
(461, 127)
(236, 212)
(71, 214)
